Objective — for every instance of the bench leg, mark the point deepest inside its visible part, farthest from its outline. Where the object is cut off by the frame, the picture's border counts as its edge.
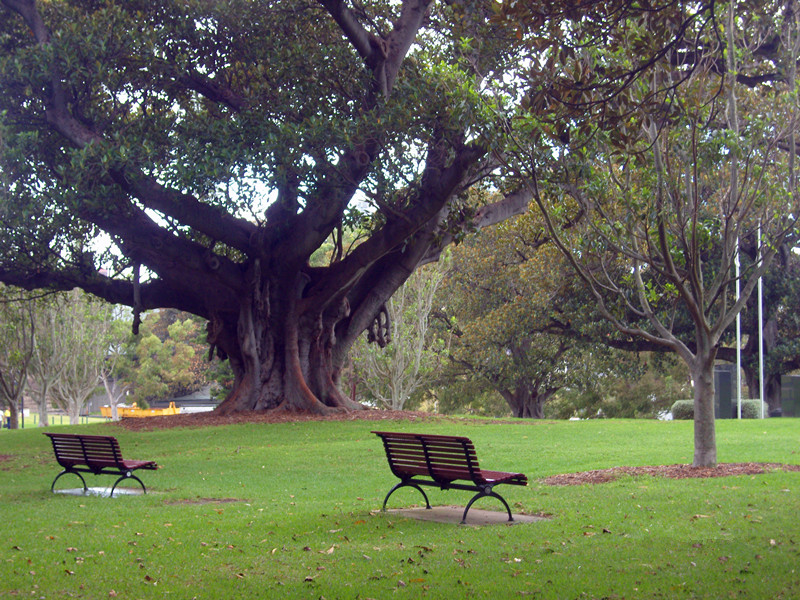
(405, 484)
(127, 475)
(64, 472)
(486, 492)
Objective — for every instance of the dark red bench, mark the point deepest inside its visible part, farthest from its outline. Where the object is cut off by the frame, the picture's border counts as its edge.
(97, 454)
(440, 461)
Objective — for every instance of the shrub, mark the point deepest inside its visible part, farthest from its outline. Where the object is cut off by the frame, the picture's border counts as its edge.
(683, 410)
(751, 409)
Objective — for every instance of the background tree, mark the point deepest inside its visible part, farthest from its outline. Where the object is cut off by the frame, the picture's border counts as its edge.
(84, 322)
(410, 355)
(116, 370)
(168, 358)
(651, 387)
(689, 172)
(51, 349)
(781, 328)
(523, 321)
(16, 349)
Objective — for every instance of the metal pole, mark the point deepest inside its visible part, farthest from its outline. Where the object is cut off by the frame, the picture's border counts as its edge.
(760, 329)
(738, 340)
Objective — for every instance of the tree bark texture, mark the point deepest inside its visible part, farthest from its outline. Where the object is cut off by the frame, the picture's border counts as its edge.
(281, 354)
(526, 403)
(705, 444)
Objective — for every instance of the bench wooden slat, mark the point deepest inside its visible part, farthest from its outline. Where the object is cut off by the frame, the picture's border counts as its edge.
(438, 460)
(97, 454)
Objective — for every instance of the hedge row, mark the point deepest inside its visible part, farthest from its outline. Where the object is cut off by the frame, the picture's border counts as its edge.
(684, 409)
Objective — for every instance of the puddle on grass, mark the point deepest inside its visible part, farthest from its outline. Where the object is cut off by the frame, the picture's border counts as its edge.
(104, 492)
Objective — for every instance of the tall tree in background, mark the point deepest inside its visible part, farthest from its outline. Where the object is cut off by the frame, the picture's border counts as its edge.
(219, 144)
(522, 321)
(117, 368)
(409, 358)
(50, 351)
(16, 349)
(697, 161)
(167, 358)
(84, 322)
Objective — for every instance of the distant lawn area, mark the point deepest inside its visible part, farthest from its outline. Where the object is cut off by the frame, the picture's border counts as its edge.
(292, 510)
(32, 420)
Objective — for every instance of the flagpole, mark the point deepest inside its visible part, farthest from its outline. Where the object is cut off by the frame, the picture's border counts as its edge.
(760, 329)
(738, 340)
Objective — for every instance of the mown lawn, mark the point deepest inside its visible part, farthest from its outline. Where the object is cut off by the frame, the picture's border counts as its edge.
(292, 511)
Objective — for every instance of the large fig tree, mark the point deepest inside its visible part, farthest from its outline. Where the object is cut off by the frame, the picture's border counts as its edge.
(212, 147)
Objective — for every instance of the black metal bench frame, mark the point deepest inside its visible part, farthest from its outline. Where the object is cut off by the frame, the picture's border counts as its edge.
(439, 461)
(96, 454)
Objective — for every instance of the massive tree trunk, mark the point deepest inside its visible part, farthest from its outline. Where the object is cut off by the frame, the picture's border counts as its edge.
(271, 354)
(283, 348)
(527, 402)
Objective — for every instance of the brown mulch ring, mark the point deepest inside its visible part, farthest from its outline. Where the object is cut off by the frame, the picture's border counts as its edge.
(671, 471)
(210, 419)
(202, 501)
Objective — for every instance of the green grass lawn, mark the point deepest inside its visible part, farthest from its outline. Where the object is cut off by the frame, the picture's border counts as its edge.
(292, 511)
(32, 420)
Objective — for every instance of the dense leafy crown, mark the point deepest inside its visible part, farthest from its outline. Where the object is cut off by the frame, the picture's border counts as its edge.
(204, 136)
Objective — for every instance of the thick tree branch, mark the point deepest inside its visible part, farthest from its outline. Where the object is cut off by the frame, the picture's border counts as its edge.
(187, 210)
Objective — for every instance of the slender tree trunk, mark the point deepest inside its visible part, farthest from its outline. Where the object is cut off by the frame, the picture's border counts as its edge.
(705, 444)
(13, 415)
(42, 406)
(74, 414)
(114, 393)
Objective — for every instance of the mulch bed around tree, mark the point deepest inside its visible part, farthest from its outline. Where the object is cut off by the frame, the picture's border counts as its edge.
(210, 419)
(671, 471)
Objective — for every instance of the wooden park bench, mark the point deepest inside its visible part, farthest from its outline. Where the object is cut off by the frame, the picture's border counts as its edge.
(98, 454)
(440, 461)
